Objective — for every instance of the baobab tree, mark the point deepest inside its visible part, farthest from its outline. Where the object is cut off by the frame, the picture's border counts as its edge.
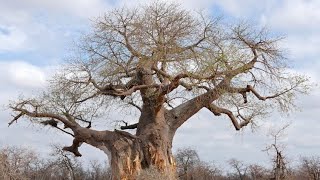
(167, 63)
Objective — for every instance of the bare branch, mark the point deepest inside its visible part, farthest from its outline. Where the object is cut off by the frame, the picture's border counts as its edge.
(218, 111)
(23, 111)
(131, 126)
(135, 105)
(64, 131)
(249, 88)
(15, 119)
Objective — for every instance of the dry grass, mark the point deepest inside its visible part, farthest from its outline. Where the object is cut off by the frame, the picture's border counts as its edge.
(154, 174)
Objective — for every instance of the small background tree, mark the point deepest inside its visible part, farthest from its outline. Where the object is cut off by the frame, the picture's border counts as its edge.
(310, 167)
(191, 167)
(280, 164)
(187, 159)
(239, 168)
(257, 172)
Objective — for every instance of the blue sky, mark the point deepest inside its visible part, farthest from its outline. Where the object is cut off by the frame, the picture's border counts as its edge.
(36, 36)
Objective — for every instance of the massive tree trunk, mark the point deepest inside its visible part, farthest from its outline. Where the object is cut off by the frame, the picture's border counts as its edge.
(129, 154)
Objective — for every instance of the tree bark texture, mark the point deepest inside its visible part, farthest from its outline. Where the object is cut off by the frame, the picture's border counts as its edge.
(129, 154)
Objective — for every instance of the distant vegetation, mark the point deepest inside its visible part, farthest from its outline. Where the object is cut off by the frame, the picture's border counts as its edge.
(23, 164)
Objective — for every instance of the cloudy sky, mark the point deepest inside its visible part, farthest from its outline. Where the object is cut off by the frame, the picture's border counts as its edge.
(36, 36)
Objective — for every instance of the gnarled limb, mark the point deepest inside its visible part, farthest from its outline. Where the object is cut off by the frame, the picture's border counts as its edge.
(74, 148)
(218, 111)
(185, 110)
(67, 121)
(35, 114)
(31, 109)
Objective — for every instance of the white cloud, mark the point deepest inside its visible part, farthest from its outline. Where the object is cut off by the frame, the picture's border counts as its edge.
(80, 8)
(13, 40)
(299, 21)
(43, 25)
(296, 15)
(302, 46)
(20, 74)
(243, 8)
(13, 36)
(189, 4)
(289, 15)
